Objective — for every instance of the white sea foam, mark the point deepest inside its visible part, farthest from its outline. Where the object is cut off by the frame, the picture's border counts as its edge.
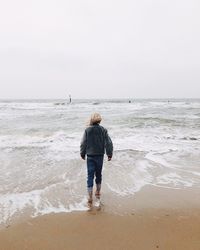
(14, 204)
(128, 179)
(49, 208)
(174, 180)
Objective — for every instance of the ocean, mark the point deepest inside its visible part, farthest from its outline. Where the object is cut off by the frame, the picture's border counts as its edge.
(156, 143)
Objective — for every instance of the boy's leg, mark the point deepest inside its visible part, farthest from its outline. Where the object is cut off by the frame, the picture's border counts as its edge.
(90, 177)
(98, 189)
(98, 173)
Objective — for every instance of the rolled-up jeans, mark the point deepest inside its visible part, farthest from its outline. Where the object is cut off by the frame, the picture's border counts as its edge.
(94, 168)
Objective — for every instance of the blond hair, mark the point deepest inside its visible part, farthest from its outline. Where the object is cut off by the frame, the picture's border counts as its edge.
(95, 119)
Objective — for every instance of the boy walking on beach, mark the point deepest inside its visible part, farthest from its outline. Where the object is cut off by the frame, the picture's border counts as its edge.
(94, 143)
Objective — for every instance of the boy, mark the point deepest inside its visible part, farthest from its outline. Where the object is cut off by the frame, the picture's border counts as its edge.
(94, 143)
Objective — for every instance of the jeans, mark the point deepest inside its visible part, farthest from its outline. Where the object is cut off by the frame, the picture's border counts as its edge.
(94, 168)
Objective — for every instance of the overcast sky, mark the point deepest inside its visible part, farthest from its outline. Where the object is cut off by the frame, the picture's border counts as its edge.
(100, 49)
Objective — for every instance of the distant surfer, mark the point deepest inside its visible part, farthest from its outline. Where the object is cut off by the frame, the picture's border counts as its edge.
(70, 99)
(94, 143)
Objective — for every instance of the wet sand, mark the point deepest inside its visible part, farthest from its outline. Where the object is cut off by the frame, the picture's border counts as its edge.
(169, 222)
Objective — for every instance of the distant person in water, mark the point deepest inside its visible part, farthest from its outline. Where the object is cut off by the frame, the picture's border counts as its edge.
(94, 144)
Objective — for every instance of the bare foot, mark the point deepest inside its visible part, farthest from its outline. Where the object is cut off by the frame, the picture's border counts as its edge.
(89, 203)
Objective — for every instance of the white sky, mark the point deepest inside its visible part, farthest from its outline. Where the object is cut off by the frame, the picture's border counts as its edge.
(100, 49)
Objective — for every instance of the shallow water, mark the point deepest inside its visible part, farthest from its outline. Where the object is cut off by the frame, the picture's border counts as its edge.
(156, 143)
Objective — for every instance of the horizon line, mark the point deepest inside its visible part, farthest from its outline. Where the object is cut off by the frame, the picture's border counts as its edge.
(100, 98)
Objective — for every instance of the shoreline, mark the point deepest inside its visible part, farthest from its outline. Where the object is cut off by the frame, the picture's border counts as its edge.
(159, 219)
(149, 198)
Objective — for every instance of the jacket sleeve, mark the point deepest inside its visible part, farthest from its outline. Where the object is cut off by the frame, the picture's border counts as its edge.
(83, 145)
(108, 144)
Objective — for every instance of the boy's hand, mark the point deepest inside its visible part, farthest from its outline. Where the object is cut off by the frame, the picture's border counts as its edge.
(109, 158)
(83, 157)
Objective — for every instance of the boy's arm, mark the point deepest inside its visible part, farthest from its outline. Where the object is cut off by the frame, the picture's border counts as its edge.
(83, 146)
(108, 145)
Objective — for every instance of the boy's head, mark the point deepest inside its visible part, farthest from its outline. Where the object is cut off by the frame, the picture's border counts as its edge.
(95, 119)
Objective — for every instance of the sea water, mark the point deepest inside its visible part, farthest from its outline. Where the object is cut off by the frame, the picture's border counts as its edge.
(156, 142)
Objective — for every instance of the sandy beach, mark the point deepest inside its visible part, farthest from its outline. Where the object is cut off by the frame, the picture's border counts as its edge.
(161, 219)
